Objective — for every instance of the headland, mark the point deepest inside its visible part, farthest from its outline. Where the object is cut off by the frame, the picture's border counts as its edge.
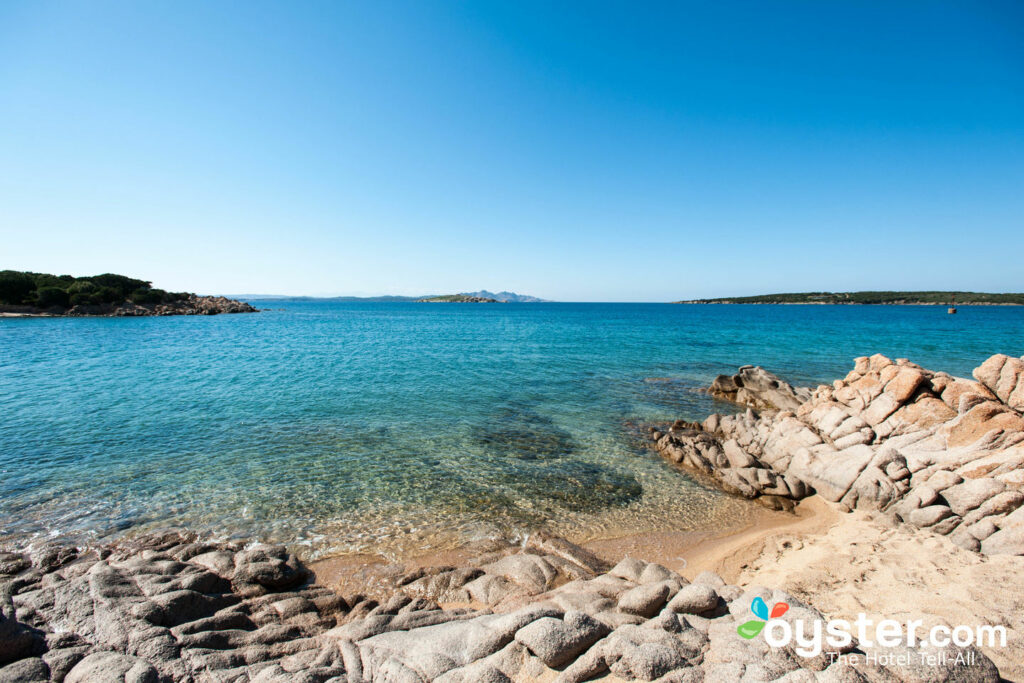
(25, 294)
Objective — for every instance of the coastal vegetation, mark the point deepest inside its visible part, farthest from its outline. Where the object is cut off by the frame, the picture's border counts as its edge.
(887, 298)
(28, 293)
(42, 290)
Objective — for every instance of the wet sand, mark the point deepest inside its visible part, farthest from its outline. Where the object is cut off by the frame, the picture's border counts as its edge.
(375, 576)
(727, 552)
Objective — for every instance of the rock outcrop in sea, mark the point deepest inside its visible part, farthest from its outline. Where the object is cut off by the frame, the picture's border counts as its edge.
(926, 448)
(193, 304)
(756, 388)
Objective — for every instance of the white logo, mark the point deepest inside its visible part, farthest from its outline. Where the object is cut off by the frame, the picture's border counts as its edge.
(838, 634)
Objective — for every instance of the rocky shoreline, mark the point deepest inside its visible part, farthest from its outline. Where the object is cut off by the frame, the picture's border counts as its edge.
(193, 304)
(168, 607)
(925, 448)
(882, 441)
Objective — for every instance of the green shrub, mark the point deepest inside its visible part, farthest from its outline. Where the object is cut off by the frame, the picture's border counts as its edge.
(148, 296)
(83, 299)
(109, 295)
(124, 286)
(83, 286)
(48, 297)
(15, 287)
(45, 280)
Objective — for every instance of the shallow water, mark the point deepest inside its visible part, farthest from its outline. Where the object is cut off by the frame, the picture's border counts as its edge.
(407, 427)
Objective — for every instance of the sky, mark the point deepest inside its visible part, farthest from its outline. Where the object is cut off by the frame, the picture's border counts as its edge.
(585, 151)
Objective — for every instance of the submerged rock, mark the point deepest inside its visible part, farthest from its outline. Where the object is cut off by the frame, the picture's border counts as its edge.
(524, 434)
(579, 486)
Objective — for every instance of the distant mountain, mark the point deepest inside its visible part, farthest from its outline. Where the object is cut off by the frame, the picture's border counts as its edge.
(506, 297)
(460, 299)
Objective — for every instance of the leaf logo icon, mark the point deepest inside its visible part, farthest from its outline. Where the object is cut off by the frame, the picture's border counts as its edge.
(750, 629)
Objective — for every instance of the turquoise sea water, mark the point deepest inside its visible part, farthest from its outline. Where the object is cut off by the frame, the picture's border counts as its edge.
(404, 427)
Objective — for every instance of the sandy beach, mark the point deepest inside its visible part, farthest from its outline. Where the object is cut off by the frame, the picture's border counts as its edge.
(728, 553)
(856, 563)
(843, 563)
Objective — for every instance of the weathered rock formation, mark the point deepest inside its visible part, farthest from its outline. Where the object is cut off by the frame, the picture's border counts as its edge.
(759, 389)
(192, 305)
(170, 608)
(928, 449)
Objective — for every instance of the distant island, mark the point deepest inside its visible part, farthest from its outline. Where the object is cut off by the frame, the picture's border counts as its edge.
(460, 299)
(483, 295)
(506, 297)
(873, 298)
(27, 293)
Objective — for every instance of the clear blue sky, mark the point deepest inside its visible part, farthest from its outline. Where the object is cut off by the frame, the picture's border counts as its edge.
(585, 151)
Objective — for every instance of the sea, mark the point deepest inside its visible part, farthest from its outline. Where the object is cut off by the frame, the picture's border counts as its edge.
(404, 428)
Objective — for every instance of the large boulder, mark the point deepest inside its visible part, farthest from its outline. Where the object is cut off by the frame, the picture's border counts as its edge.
(1004, 376)
(645, 600)
(18, 641)
(559, 641)
(983, 419)
(759, 389)
(111, 667)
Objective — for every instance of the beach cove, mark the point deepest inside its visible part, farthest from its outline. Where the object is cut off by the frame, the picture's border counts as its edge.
(171, 606)
(612, 486)
(426, 342)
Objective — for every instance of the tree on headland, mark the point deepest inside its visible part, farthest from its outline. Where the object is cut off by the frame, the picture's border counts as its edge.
(15, 287)
(45, 291)
(49, 297)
